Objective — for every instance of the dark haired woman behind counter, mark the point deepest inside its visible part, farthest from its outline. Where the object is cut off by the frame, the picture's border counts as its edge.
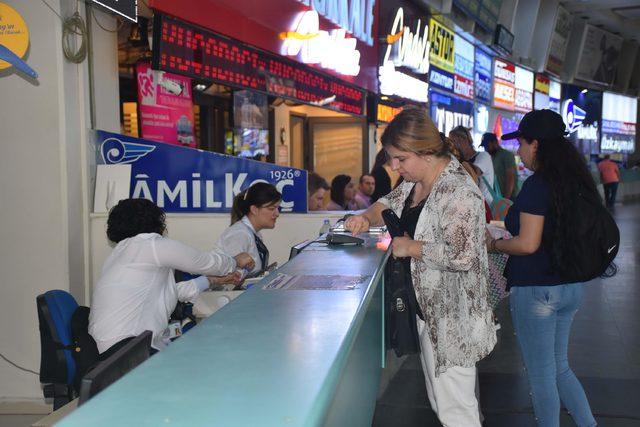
(255, 209)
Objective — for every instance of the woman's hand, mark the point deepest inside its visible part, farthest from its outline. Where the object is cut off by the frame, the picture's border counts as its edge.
(357, 224)
(234, 278)
(402, 247)
(244, 260)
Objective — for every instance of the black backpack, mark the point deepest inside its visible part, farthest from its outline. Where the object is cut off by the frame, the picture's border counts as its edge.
(595, 240)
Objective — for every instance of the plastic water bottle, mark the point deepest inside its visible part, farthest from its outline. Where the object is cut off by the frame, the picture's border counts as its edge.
(326, 227)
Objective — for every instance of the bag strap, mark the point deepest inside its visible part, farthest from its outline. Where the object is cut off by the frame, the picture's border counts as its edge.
(495, 195)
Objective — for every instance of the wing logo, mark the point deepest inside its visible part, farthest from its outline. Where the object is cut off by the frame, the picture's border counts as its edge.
(116, 152)
(572, 115)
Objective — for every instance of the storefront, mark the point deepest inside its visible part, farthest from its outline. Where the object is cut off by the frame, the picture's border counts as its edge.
(582, 113)
(290, 85)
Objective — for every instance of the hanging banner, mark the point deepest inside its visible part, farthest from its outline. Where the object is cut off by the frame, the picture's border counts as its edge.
(483, 76)
(599, 56)
(180, 179)
(463, 65)
(504, 78)
(559, 41)
(166, 107)
(442, 46)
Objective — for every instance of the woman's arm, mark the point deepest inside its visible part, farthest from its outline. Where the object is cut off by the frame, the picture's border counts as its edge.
(525, 243)
(176, 255)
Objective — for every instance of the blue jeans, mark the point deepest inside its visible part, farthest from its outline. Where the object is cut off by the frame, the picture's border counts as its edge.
(542, 317)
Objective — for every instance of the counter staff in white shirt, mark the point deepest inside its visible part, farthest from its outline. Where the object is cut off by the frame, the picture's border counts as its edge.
(255, 209)
(137, 290)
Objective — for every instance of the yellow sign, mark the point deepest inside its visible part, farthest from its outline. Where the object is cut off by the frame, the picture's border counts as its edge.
(441, 54)
(14, 34)
(386, 113)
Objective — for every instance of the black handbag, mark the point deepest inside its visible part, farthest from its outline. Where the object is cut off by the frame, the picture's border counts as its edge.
(401, 305)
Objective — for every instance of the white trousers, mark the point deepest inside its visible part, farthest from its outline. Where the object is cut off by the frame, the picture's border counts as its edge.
(453, 393)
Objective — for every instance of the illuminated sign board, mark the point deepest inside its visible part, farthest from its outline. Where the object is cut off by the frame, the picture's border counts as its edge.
(555, 90)
(483, 73)
(355, 16)
(331, 50)
(463, 65)
(619, 117)
(449, 112)
(541, 93)
(524, 90)
(581, 110)
(406, 48)
(393, 82)
(442, 46)
(185, 49)
(504, 78)
(441, 79)
(387, 113)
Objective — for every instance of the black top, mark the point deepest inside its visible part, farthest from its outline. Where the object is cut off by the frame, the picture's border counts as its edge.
(383, 183)
(535, 269)
(408, 222)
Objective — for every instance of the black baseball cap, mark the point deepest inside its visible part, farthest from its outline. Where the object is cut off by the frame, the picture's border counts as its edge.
(539, 124)
(487, 138)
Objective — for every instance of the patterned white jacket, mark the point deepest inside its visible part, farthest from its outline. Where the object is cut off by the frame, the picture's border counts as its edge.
(451, 279)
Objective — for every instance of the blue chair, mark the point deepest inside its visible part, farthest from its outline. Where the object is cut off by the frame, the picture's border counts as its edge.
(57, 365)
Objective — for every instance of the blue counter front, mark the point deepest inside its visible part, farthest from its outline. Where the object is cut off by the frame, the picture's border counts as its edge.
(271, 358)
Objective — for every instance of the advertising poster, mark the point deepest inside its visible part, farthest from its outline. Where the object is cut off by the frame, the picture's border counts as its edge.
(599, 56)
(166, 107)
(448, 112)
(581, 110)
(180, 179)
(559, 41)
(504, 79)
(619, 117)
(555, 93)
(483, 73)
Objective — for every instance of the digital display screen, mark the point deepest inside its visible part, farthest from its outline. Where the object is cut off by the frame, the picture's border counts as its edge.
(189, 50)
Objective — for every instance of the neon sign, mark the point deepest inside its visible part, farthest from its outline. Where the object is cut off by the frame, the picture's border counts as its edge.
(394, 82)
(408, 49)
(331, 50)
(355, 16)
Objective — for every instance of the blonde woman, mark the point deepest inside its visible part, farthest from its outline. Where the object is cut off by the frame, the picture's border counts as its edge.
(439, 202)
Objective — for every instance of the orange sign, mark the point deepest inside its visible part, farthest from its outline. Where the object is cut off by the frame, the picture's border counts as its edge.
(386, 113)
(14, 34)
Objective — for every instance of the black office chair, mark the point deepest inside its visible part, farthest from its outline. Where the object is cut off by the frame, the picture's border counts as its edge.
(115, 366)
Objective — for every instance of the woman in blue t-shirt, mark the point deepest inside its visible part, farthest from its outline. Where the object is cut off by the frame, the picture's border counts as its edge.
(542, 303)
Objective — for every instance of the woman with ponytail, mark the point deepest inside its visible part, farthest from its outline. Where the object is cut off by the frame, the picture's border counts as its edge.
(255, 209)
(441, 209)
(543, 222)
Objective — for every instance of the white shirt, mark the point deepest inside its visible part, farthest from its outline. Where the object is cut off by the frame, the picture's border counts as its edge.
(239, 238)
(485, 164)
(137, 290)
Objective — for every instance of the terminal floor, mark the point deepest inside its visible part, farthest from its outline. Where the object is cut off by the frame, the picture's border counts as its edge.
(604, 353)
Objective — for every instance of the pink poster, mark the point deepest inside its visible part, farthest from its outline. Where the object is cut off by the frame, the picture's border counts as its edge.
(166, 108)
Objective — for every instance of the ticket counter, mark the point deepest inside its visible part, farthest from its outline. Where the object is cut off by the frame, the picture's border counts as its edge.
(303, 347)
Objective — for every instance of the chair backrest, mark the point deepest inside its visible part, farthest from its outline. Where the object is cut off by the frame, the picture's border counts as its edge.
(55, 309)
(115, 366)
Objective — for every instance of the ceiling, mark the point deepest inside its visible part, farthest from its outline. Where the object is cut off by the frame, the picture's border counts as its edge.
(621, 17)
